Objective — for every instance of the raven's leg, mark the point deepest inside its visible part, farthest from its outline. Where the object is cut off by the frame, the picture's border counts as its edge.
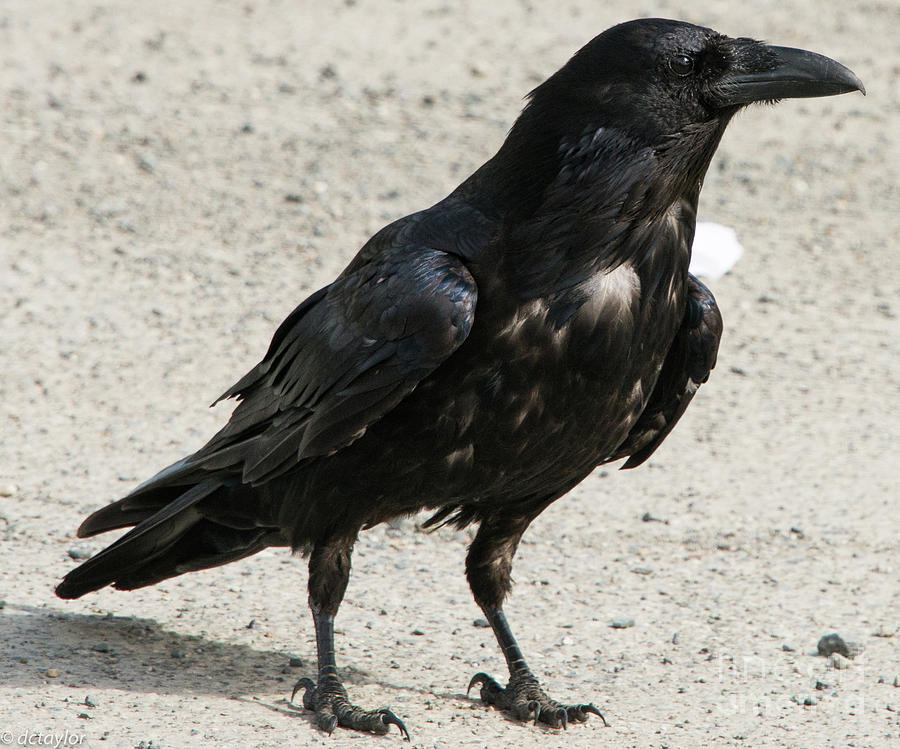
(488, 566)
(329, 571)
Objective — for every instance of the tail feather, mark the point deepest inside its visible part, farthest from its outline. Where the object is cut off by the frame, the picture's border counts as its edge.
(207, 545)
(125, 513)
(147, 542)
(165, 487)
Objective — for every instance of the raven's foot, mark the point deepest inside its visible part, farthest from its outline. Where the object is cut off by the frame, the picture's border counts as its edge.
(328, 699)
(524, 698)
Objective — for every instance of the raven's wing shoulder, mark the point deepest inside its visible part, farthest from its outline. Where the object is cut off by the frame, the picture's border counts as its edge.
(345, 357)
(688, 363)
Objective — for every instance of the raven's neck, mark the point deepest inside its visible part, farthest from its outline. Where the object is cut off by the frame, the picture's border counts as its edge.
(571, 201)
(511, 185)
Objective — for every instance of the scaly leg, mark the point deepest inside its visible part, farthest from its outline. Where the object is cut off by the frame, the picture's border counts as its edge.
(488, 568)
(329, 571)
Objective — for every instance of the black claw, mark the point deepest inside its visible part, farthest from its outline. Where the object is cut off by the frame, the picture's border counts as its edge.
(591, 709)
(332, 708)
(485, 681)
(329, 725)
(478, 678)
(522, 710)
(524, 698)
(305, 683)
(388, 718)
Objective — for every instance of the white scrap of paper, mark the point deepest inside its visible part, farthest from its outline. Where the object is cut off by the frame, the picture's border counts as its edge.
(716, 249)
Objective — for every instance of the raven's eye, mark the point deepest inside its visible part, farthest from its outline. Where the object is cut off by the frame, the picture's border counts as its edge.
(681, 64)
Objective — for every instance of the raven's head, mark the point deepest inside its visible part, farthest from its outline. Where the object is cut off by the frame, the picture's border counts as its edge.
(653, 78)
(650, 86)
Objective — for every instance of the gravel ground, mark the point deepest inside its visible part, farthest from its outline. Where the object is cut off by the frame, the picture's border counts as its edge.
(176, 177)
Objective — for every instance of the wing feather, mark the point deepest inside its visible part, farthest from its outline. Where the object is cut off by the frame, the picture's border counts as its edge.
(345, 358)
(687, 366)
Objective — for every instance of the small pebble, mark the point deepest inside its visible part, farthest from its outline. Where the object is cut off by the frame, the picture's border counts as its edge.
(101, 647)
(622, 623)
(178, 653)
(833, 643)
(7, 490)
(295, 662)
(483, 623)
(51, 673)
(821, 686)
(836, 660)
(787, 647)
(418, 632)
(147, 163)
(89, 701)
(809, 701)
(897, 681)
(77, 553)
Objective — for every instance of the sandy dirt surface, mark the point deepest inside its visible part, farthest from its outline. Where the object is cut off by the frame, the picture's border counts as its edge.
(176, 177)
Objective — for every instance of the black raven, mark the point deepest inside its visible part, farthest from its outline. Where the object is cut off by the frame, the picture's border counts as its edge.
(479, 358)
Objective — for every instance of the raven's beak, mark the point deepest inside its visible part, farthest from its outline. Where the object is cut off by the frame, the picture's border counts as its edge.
(787, 73)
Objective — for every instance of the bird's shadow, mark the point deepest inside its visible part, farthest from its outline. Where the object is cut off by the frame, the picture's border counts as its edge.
(140, 655)
(129, 653)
